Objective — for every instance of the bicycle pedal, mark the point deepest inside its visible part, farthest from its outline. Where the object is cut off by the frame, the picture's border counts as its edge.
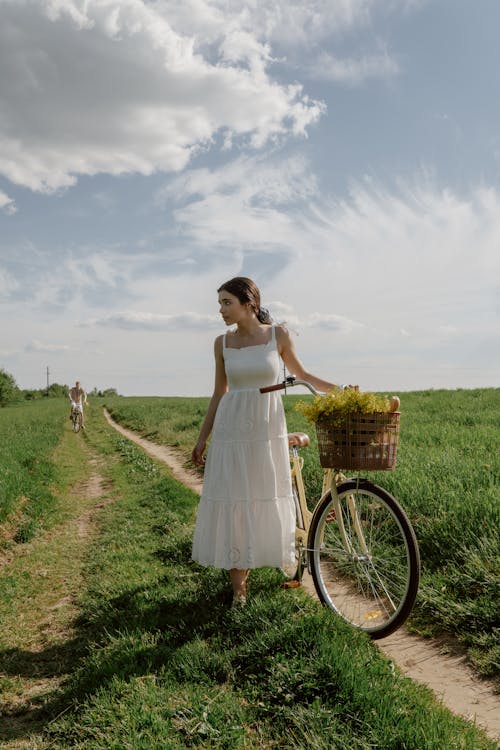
(291, 584)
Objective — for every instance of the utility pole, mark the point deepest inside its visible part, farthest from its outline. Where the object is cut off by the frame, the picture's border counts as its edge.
(47, 380)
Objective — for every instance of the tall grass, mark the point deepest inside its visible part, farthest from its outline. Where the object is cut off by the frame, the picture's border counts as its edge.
(29, 434)
(447, 479)
(172, 421)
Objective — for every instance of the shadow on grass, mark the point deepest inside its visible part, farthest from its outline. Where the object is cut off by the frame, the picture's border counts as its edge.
(140, 632)
(42, 668)
(285, 656)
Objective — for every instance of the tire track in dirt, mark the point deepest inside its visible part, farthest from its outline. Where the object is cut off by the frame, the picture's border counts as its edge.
(448, 676)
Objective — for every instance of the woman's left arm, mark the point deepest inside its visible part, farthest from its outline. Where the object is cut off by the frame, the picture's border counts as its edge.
(293, 364)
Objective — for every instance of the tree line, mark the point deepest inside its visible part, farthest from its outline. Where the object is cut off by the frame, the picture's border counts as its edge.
(11, 393)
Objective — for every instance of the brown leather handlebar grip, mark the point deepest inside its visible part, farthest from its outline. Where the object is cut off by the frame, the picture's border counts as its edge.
(269, 388)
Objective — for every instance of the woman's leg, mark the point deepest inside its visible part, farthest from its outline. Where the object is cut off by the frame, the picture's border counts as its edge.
(239, 581)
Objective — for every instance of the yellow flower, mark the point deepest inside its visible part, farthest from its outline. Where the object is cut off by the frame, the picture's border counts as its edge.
(339, 403)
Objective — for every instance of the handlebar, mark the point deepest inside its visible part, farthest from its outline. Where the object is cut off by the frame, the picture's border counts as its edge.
(289, 381)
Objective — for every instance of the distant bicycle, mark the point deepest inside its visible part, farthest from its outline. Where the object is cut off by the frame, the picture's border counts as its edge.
(357, 543)
(76, 418)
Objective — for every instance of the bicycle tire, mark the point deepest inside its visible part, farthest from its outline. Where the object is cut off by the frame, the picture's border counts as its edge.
(77, 422)
(372, 589)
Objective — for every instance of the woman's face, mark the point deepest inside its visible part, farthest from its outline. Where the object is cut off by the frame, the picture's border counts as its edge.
(231, 308)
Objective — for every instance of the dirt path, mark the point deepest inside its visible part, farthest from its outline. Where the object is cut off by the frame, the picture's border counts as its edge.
(422, 660)
(169, 456)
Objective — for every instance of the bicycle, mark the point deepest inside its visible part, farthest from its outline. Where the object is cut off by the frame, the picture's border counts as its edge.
(76, 419)
(357, 543)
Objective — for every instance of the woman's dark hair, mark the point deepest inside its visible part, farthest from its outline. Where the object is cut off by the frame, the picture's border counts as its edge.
(248, 293)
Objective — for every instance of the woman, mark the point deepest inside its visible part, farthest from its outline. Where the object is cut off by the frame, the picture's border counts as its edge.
(246, 516)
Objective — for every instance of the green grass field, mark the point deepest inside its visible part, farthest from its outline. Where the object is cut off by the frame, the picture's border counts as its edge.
(150, 656)
(447, 479)
(29, 434)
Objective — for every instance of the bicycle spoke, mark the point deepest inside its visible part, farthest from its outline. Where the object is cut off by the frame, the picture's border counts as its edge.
(365, 561)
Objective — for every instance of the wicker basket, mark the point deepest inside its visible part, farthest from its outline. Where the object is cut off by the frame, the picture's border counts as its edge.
(360, 441)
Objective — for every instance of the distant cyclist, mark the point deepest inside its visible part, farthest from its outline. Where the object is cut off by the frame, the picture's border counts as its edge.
(78, 398)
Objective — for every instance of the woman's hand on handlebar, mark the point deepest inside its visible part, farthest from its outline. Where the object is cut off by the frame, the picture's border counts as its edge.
(291, 381)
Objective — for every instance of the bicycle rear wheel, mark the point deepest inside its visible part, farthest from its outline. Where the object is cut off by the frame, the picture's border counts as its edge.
(365, 563)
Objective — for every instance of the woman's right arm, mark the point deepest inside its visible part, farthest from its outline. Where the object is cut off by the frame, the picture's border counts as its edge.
(220, 389)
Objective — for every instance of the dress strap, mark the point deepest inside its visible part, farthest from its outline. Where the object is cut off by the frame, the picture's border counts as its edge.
(224, 345)
(273, 334)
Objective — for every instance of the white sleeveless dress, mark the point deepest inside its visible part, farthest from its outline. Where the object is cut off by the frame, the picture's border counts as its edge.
(246, 516)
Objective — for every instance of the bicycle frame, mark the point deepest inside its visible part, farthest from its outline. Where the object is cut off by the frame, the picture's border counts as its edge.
(304, 516)
(331, 479)
(302, 513)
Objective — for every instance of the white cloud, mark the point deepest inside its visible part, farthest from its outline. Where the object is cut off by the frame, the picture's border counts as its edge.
(283, 312)
(41, 347)
(129, 86)
(354, 71)
(264, 180)
(290, 22)
(7, 205)
(332, 322)
(146, 321)
(89, 267)
(95, 86)
(8, 284)
(416, 267)
(193, 321)
(416, 264)
(244, 203)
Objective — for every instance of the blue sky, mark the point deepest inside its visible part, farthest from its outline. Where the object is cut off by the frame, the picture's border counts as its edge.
(344, 153)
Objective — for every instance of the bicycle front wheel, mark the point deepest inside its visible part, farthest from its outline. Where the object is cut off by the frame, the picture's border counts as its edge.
(364, 557)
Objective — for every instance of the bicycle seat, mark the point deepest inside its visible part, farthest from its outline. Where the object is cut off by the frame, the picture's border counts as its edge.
(298, 439)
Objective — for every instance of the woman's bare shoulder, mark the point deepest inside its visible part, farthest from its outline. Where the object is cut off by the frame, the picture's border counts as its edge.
(282, 332)
(218, 343)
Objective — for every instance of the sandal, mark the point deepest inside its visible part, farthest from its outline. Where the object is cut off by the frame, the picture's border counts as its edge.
(239, 601)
